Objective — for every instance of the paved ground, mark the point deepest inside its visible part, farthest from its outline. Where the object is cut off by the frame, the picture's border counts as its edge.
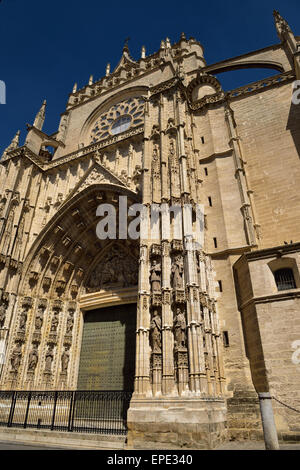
(20, 446)
(248, 445)
(254, 445)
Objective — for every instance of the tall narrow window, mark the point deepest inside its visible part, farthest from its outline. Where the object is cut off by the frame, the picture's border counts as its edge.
(284, 279)
(215, 242)
(225, 339)
(202, 140)
(205, 171)
(209, 201)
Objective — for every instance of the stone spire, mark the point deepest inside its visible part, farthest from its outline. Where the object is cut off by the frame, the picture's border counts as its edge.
(281, 25)
(91, 80)
(13, 145)
(285, 33)
(126, 59)
(40, 117)
(15, 142)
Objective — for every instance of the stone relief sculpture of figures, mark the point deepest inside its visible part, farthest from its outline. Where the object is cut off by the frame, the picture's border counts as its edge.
(16, 356)
(155, 332)
(2, 314)
(65, 358)
(39, 319)
(23, 319)
(33, 357)
(180, 329)
(116, 268)
(54, 322)
(155, 276)
(177, 272)
(49, 358)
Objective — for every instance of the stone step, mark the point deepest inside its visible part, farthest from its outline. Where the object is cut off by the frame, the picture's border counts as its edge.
(63, 439)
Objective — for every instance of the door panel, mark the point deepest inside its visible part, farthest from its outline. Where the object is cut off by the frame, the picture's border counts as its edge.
(107, 359)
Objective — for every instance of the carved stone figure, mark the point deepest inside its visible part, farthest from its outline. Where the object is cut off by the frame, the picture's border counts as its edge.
(177, 272)
(70, 323)
(49, 358)
(2, 204)
(33, 357)
(155, 332)
(137, 177)
(23, 320)
(155, 276)
(39, 319)
(2, 314)
(16, 356)
(180, 329)
(54, 322)
(65, 358)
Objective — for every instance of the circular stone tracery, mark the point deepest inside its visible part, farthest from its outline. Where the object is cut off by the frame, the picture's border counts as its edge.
(119, 118)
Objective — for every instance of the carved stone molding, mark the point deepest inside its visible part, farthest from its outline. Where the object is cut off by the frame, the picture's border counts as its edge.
(176, 246)
(26, 302)
(155, 250)
(179, 296)
(156, 299)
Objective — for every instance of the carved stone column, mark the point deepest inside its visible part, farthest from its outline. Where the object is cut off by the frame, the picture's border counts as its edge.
(168, 382)
(142, 369)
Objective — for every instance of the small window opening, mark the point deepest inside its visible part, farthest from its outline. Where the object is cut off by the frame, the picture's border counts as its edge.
(209, 201)
(225, 339)
(215, 242)
(284, 279)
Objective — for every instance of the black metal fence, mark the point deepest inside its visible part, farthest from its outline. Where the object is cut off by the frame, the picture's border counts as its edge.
(102, 412)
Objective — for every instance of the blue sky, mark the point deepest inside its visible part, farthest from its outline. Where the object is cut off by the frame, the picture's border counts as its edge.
(47, 46)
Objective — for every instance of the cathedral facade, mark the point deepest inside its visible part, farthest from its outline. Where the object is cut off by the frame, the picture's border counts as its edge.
(195, 327)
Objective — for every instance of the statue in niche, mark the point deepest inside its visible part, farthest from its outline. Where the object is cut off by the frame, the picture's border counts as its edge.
(23, 320)
(155, 275)
(16, 356)
(70, 323)
(54, 322)
(2, 314)
(65, 358)
(155, 332)
(39, 319)
(49, 358)
(2, 205)
(136, 178)
(177, 272)
(33, 357)
(180, 329)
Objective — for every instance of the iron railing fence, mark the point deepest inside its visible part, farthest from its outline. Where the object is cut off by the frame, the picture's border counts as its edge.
(102, 412)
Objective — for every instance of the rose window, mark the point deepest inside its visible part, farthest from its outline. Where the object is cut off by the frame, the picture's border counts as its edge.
(119, 118)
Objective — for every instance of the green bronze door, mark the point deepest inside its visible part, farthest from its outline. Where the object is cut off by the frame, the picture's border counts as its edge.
(107, 359)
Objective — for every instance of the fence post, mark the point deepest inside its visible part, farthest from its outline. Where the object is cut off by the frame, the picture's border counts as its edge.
(27, 409)
(71, 412)
(54, 410)
(12, 409)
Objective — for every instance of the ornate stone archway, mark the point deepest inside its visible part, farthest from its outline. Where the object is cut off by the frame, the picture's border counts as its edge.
(61, 273)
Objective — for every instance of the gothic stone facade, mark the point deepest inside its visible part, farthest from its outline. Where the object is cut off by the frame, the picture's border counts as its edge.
(162, 130)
